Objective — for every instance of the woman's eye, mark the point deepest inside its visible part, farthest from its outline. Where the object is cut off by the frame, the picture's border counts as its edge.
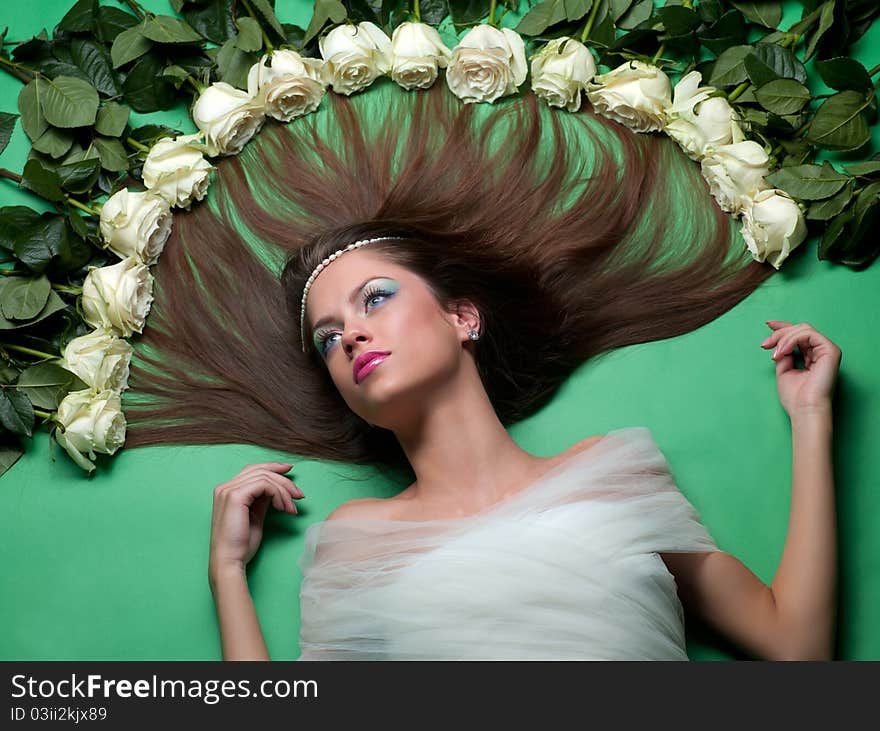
(370, 295)
(323, 341)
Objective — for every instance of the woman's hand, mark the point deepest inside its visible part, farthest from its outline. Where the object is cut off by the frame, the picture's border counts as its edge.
(813, 386)
(240, 507)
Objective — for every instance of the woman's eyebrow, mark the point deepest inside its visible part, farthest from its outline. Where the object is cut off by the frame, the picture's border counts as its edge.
(325, 320)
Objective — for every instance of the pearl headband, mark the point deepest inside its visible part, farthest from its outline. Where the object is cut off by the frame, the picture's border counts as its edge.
(318, 269)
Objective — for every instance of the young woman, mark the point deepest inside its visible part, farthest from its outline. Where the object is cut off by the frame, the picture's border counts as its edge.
(438, 281)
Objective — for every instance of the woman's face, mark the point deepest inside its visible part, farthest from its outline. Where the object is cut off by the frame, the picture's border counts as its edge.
(362, 302)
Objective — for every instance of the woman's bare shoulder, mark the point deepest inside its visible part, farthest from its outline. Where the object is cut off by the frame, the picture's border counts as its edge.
(583, 444)
(362, 507)
(385, 508)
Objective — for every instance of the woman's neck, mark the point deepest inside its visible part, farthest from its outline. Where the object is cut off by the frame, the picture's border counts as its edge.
(461, 453)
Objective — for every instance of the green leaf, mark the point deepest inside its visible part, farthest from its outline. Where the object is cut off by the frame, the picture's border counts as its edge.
(7, 125)
(830, 207)
(843, 73)
(538, 19)
(79, 177)
(37, 245)
(783, 96)
(233, 64)
(165, 29)
(850, 237)
(769, 61)
(53, 305)
(22, 298)
(265, 9)
(16, 412)
(110, 22)
(826, 20)
(250, 37)
(9, 454)
(839, 123)
(79, 18)
(835, 232)
(78, 223)
(576, 9)
(762, 12)
(52, 247)
(864, 169)
(638, 13)
(146, 90)
(14, 221)
(678, 20)
(41, 181)
(619, 8)
(30, 105)
(54, 142)
(334, 10)
(111, 119)
(213, 19)
(47, 384)
(95, 62)
(710, 10)
(129, 45)
(70, 102)
(176, 74)
(113, 155)
(729, 68)
(808, 182)
(433, 12)
(729, 30)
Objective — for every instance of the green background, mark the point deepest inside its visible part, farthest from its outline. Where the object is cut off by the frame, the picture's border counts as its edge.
(115, 567)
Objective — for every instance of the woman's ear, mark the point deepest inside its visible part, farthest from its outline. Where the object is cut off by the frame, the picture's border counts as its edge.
(466, 317)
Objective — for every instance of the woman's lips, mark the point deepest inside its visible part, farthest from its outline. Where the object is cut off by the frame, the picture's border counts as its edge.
(363, 372)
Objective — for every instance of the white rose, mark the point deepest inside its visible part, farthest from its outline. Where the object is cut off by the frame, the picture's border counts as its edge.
(354, 56)
(696, 120)
(118, 297)
(735, 173)
(416, 53)
(559, 74)
(136, 224)
(90, 422)
(100, 359)
(634, 94)
(772, 226)
(176, 169)
(487, 63)
(288, 85)
(228, 117)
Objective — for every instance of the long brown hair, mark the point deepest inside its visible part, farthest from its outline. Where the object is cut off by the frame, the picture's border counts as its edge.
(572, 236)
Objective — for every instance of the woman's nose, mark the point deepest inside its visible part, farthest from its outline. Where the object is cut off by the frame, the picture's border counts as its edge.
(354, 334)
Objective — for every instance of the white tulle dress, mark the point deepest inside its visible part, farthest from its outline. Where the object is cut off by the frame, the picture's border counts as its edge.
(566, 568)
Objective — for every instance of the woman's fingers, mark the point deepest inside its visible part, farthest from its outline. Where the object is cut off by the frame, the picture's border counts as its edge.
(259, 482)
(274, 466)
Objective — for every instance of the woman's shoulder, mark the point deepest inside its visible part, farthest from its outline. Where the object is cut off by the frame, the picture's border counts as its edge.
(583, 444)
(384, 508)
(362, 507)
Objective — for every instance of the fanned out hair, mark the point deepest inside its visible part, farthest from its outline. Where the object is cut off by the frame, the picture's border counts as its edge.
(571, 235)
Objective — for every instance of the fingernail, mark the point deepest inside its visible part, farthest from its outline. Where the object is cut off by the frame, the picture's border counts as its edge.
(775, 353)
(766, 342)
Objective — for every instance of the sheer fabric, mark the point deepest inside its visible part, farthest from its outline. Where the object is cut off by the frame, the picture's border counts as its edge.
(566, 568)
